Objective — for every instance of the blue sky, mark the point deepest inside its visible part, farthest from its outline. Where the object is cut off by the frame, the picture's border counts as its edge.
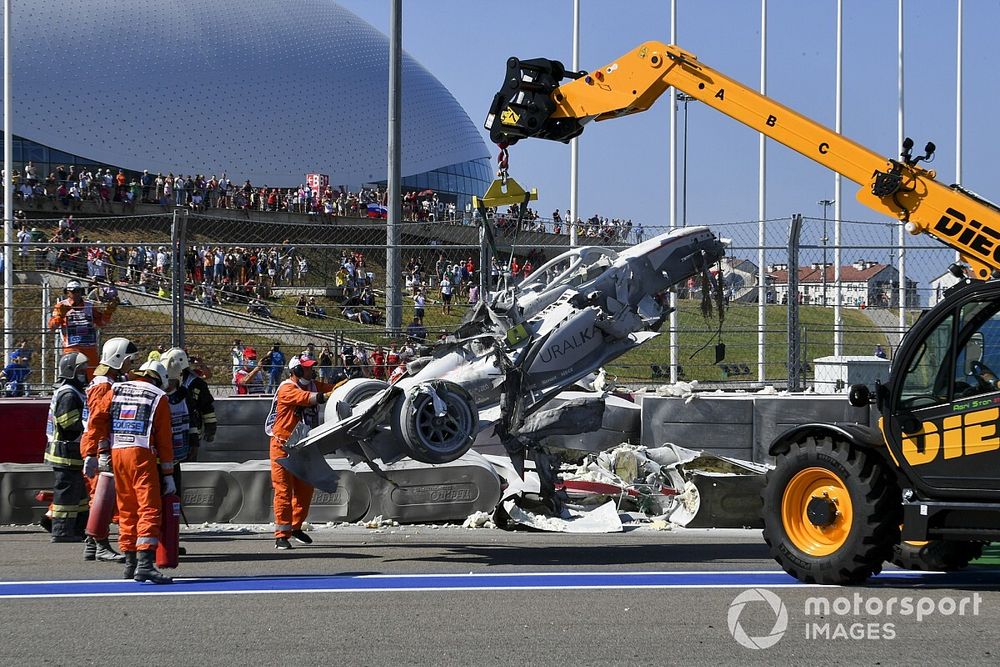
(624, 163)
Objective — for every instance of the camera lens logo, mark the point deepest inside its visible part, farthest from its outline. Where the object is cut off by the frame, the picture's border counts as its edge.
(780, 618)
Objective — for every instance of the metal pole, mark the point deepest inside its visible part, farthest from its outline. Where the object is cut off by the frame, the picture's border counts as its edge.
(8, 192)
(958, 108)
(574, 145)
(485, 263)
(825, 203)
(43, 352)
(838, 297)
(762, 206)
(958, 89)
(674, 321)
(901, 232)
(685, 98)
(176, 295)
(393, 291)
(794, 354)
(181, 247)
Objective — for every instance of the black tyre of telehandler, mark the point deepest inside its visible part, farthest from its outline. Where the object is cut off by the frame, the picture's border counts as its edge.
(936, 555)
(831, 512)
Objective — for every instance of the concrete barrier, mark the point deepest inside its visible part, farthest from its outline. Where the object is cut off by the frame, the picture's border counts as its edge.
(740, 426)
(19, 482)
(419, 493)
(409, 492)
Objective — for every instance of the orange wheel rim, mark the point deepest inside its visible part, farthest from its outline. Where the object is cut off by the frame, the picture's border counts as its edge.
(802, 489)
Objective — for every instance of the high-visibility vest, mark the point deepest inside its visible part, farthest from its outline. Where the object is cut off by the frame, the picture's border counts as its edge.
(132, 407)
(180, 423)
(79, 330)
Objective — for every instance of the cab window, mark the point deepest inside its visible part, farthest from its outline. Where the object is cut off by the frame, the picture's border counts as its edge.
(978, 349)
(927, 376)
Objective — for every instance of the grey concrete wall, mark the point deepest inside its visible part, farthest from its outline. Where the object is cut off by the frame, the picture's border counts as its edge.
(739, 425)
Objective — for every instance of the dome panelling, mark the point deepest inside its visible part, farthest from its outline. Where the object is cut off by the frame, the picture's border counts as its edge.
(264, 90)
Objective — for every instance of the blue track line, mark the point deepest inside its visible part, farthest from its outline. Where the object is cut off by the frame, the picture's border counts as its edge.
(421, 582)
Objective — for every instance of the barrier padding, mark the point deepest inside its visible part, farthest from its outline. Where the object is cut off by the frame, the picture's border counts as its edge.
(419, 493)
(348, 503)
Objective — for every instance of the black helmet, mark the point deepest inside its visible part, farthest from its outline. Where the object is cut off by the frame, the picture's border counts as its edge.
(70, 365)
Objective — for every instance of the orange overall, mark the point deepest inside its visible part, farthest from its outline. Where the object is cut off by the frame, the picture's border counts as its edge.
(79, 324)
(139, 430)
(292, 495)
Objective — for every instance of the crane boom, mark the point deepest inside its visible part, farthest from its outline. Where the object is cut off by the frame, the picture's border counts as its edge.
(534, 103)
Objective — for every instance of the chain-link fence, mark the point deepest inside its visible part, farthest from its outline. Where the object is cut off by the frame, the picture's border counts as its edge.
(259, 281)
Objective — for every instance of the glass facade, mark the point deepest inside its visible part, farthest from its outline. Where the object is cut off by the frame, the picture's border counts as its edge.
(48, 160)
(456, 183)
(461, 181)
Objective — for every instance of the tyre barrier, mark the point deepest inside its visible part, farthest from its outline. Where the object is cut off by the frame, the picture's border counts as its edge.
(407, 491)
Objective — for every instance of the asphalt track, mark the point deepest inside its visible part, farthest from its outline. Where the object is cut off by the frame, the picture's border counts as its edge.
(436, 596)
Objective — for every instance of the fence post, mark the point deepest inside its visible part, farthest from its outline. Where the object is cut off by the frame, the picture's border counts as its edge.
(485, 263)
(43, 353)
(793, 304)
(177, 236)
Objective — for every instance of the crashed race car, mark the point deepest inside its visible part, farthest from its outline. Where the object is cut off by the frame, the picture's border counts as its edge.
(507, 359)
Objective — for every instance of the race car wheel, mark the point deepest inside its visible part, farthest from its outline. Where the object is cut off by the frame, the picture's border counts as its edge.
(831, 512)
(431, 438)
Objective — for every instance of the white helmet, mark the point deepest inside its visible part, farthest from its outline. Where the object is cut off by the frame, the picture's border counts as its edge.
(116, 351)
(176, 360)
(155, 371)
(73, 285)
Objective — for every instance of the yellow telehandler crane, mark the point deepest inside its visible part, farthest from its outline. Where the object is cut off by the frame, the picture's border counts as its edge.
(533, 103)
(922, 489)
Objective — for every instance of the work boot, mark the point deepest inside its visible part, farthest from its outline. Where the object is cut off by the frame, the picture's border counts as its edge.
(301, 537)
(282, 543)
(105, 553)
(130, 564)
(90, 548)
(146, 571)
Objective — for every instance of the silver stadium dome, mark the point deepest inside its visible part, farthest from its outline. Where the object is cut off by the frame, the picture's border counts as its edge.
(264, 90)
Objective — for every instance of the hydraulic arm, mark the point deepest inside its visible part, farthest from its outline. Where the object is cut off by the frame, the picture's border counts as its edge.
(534, 103)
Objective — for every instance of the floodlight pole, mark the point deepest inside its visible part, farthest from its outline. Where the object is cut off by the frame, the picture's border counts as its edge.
(393, 293)
(8, 193)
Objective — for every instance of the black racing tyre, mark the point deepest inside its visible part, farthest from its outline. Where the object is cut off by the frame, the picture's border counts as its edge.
(936, 555)
(432, 439)
(831, 512)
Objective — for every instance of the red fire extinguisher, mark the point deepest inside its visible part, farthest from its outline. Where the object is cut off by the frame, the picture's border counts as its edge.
(103, 508)
(170, 531)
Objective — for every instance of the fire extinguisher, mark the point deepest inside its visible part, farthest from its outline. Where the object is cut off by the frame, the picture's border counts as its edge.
(170, 531)
(103, 508)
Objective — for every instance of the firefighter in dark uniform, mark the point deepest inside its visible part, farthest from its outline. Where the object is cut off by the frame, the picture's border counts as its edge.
(63, 431)
(201, 403)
